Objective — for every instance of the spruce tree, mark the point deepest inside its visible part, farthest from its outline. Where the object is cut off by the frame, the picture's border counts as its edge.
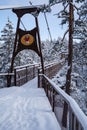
(81, 23)
(7, 37)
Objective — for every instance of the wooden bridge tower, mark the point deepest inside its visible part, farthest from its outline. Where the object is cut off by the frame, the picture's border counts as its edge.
(27, 39)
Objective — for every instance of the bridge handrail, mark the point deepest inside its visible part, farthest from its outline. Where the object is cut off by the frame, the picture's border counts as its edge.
(16, 74)
(6, 74)
(29, 69)
(73, 106)
(25, 73)
(24, 66)
(20, 69)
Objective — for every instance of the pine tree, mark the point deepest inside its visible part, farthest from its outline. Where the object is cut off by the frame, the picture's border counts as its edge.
(81, 23)
(7, 37)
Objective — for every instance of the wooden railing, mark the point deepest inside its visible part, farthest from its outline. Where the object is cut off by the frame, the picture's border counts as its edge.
(50, 70)
(4, 79)
(25, 73)
(22, 74)
(77, 120)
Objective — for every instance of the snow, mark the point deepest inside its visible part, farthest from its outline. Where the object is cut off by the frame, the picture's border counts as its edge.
(31, 84)
(26, 108)
(9, 7)
(75, 74)
(28, 65)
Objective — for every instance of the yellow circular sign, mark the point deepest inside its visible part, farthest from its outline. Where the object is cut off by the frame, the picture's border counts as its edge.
(27, 39)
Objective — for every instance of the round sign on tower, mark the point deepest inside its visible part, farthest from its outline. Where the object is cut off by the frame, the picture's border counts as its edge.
(27, 39)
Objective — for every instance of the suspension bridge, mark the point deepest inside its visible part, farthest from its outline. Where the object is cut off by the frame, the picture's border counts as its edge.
(38, 93)
(37, 104)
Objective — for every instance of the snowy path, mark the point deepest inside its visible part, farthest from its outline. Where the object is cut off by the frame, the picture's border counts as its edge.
(26, 108)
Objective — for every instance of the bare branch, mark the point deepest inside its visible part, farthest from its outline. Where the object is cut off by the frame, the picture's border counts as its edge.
(76, 7)
(65, 35)
(56, 2)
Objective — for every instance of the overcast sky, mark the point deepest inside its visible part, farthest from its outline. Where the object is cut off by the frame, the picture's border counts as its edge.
(55, 28)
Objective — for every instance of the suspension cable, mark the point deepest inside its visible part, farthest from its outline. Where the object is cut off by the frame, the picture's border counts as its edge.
(46, 23)
(48, 26)
(23, 25)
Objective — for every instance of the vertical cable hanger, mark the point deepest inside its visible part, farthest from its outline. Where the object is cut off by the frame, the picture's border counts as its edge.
(48, 26)
(23, 25)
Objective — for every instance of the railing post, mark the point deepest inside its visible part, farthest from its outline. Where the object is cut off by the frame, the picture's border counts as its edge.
(8, 80)
(53, 99)
(38, 78)
(70, 119)
(64, 117)
(47, 89)
(26, 74)
(34, 69)
(15, 77)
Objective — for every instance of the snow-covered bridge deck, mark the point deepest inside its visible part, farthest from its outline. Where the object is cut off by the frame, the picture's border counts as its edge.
(26, 108)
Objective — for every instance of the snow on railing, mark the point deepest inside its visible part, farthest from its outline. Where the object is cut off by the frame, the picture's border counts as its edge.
(6, 74)
(28, 65)
(77, 120)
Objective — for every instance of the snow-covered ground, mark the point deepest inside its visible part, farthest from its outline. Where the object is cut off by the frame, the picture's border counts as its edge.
(26, 108)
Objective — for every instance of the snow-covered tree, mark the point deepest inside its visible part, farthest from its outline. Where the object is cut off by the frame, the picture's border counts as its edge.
(26, 57)
(7, 37)
(55, 50)
(80, 31)
(80, 63)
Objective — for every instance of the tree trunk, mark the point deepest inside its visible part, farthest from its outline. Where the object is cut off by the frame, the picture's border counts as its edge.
(70, 53)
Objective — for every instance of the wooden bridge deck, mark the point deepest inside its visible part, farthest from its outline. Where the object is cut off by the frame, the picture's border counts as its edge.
(26, 108)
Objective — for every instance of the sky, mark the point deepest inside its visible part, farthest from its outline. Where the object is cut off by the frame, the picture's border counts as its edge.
(54, 23)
